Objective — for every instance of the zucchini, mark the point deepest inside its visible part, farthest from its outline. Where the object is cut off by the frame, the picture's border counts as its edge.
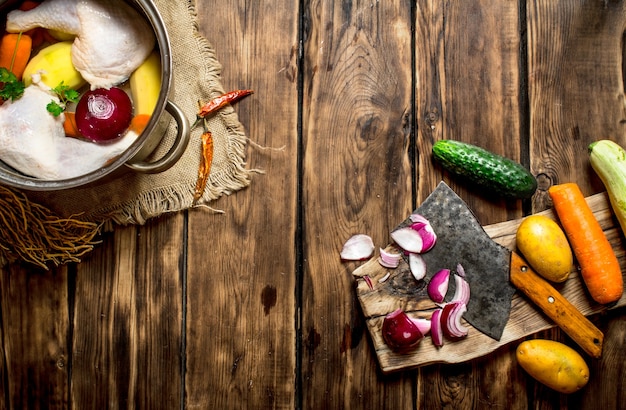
(494, 173)
(608, 160)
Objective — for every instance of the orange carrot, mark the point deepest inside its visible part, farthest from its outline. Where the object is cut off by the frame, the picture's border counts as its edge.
(15, 52)
(28, 5)
(600, 269)
(139, 122)
(69, 125)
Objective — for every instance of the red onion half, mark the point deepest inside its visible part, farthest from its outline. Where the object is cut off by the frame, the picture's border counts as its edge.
(400, 333)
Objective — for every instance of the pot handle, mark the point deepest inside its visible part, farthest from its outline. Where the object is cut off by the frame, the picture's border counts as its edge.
(177, 149)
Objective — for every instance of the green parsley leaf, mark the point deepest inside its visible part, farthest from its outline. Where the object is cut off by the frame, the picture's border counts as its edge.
(11, 88)
(55, 108)
(72, 95)
(66, 95)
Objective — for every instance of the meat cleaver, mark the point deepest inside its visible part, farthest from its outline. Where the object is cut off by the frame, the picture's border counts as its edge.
(494, 273)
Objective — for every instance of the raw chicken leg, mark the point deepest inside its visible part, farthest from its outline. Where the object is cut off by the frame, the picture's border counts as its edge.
(112, 39)
(33, 141)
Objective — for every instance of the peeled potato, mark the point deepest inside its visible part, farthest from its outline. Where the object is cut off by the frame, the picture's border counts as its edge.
(554, 364)
(145, 84)
(545, 247)
(55, 64)
(60, 35)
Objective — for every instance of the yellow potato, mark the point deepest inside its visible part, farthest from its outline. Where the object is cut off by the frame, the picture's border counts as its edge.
(60, 35)
(554, 364)
(55, 65)
(545, 247)
(145, 84)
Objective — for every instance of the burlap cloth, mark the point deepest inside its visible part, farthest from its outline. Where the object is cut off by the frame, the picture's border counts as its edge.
(134, 198)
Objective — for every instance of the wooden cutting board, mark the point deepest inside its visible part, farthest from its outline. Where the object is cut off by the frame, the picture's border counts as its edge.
(401, 290)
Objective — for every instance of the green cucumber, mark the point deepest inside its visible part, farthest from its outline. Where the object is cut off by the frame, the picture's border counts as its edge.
(494, 173)
(608, 160)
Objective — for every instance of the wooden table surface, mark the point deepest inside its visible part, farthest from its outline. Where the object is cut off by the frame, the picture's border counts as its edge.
(253, 308)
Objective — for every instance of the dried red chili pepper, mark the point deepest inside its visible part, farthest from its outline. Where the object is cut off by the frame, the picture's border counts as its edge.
(205, 165)
(221, 101)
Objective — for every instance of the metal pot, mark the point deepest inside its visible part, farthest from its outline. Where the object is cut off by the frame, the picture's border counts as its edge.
(134, 159)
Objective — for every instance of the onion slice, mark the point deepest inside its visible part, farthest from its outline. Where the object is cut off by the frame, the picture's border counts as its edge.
(408, 239)
(422, 324)
(389, 259)
(451, 320)
(384, 278)
(436, 331)
(429, 238)
(438, 285)
(460, 270)
(462, 290)
(359, 247)
(417, 265)
(418, 237)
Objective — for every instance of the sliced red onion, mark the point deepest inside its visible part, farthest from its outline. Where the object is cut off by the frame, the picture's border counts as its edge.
(384, 278)
(408, 239)
(417, 218)
(451, 320)
(422, 324)
(419, 237)
(438, 285)
(429, 238)
(388, 259)
(436, 331)
(462, 290)
(417, 265)
(358, 247)
(368, 280)
(460, 270)
(400, 333)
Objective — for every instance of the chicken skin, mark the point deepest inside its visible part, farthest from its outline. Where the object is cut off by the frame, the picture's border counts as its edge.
(111, 41)
(33, 141)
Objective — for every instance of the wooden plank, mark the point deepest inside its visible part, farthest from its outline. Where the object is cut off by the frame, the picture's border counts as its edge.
(127, 336)
(577, 105)
(469, 88)
(356, 178)
(35, 321)
(575, 82)
(241, 307)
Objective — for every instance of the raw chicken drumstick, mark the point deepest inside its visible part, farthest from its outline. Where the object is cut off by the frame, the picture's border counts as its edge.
(112, 39)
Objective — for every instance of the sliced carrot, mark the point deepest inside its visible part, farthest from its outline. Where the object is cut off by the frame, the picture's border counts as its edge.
(599, 266)
(15, 50)
(69, 125)
(139, 123)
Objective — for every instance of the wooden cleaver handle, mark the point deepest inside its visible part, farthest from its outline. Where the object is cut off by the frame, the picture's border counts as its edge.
(559, 309)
